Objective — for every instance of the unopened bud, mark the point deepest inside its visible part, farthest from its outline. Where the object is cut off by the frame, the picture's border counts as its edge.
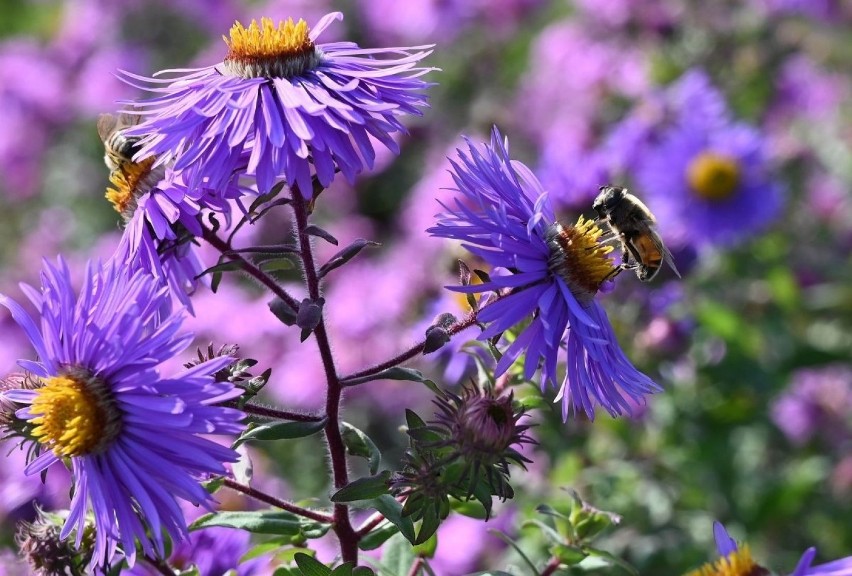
(436, 337)
(45, 552)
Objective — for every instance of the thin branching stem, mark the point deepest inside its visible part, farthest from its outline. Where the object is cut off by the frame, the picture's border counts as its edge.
(277, 502)
(454, 329)
(276, 414)
(249, 268)
(337, 450)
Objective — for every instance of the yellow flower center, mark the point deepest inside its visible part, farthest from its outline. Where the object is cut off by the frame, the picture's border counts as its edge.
(73, 418)
(579, 258)
(266, 51)
(713, 176)
(130, 181)
(737, 563)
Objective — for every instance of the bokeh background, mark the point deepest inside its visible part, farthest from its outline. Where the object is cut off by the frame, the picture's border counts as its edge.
(731, 119)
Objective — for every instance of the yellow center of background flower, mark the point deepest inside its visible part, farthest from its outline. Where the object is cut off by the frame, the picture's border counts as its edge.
(579, 258)
(713, 176)
(737, 563)
(126, 182)
(265, 41)
(71, 420)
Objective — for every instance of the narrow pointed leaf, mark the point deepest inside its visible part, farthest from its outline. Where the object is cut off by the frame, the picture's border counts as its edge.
(345, 255)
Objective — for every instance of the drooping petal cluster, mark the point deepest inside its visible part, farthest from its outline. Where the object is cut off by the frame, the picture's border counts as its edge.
(550, 275)
(280, 105)
(131, 434)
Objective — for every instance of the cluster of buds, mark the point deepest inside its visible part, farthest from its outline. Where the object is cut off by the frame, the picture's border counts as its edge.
(463, 454)
(48, 554)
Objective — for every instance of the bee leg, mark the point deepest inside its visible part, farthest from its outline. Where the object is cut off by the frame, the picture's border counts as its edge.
(618, 270)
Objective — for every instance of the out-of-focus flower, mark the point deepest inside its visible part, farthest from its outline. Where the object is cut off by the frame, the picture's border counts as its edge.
(737, 561)
(818, 400)
(705, 176)
(825, 10)
(505, 218)
(212, 551)
(101, 401)
(280, 104)
(32, 100)
(565, 120)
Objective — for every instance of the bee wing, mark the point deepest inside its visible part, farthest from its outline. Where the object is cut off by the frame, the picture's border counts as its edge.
(107, 124)
(667, 256)
(127, 119)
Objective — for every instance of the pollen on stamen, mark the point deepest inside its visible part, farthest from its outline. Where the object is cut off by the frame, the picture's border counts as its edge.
(713, 176)
(737, 563)
(579, 258)
(73, 419)
(129, 182)
(266, 51)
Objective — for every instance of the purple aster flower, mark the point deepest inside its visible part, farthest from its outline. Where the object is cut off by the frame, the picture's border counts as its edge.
(737, 559)
(706, 177)
(817, 401)
(212, 551)
(280, 105)
(131, 435)
(161, 215)
(505, 218)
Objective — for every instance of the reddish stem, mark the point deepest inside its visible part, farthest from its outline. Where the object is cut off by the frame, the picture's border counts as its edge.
(278, 503)
(336, 448)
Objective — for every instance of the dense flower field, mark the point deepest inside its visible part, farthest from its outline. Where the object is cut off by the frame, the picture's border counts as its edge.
(348, 288)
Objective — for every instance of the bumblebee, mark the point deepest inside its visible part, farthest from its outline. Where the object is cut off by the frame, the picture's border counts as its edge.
(119, 149)
(634, 225)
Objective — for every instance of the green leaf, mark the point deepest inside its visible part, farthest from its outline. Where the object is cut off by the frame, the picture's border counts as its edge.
(413, 420)
(363, 488)
(427, 548)
(311, 567)
(570, 555)
(363, 571)
(502, 536)
(212, 486)
(395, 373)
(429, 524)
(258, 522)
(281, 431)
(470, 508)
(229, 266)
(391, 509)
(276, 264)
(315, 230)
(378, 536)
(345, 255)
(344, 569)
(262, 549)
(398, 557)
(359, 444)
(614, 560)
(266, 197)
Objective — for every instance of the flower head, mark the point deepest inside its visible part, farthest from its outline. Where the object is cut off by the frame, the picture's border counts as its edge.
(130, 434)
(161, 217)
(45, 551)
(553, 274)
(737, 561)
(280, 105)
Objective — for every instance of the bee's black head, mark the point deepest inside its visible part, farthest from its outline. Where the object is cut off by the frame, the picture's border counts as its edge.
(608, 199)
